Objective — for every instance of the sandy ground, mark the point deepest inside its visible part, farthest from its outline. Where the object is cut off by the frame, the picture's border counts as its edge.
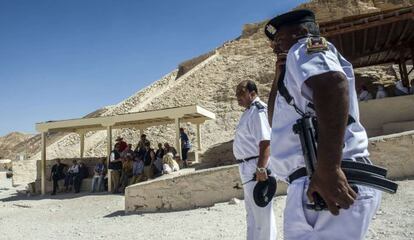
(70, 216)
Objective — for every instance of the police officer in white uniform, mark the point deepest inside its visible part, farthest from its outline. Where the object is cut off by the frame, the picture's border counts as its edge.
(321, 82)
(251, 149)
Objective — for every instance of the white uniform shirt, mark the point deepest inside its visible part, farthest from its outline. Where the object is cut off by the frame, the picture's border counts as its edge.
(251, 130)
(286, 152)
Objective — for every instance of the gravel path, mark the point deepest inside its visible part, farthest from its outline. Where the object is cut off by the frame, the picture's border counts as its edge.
(72, 217)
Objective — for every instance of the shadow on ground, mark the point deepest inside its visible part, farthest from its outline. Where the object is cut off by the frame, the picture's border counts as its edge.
(60, 196)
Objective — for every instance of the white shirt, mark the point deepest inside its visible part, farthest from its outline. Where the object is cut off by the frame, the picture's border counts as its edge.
(251, 130)
(285, 149)
(74, 169)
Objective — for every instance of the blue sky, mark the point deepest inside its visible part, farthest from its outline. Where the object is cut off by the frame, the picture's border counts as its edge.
(63, 59)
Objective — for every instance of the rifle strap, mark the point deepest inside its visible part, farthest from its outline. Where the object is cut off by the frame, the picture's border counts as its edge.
(291, 101)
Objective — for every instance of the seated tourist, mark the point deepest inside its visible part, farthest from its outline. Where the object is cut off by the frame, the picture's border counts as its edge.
(83, 173)
(73, 172)
(159, 154)
(169, 164)
(364, 95)
(400, 90)
(149, 158)
(381, 92)
(126, 174)
(57, 173)
(98, 176)
(128, 150)
(137, 171)
(171, 149)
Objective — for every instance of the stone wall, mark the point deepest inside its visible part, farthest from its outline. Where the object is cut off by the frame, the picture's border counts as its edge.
(24, 171)
(395, 152)
(36, 187)
(376, 114)
(199, 189)
(204, 188)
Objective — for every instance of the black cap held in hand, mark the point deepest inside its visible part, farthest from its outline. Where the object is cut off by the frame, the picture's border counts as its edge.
(289, 18)
(264, 191)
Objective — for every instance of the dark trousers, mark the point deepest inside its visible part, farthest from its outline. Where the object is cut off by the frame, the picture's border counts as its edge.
(77, 181)
(55, 182)
(69, 179)
(185, 155)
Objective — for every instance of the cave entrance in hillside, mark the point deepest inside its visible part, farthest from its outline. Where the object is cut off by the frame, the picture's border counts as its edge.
(140, 120)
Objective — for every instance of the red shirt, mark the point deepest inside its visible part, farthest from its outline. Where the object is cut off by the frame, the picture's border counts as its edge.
(122, 146)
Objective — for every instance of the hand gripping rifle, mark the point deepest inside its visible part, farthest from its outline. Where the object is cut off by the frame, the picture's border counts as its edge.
(356, 172)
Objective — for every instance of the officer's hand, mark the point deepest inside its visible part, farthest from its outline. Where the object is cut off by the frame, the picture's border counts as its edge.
(261, 176)
(333, 187)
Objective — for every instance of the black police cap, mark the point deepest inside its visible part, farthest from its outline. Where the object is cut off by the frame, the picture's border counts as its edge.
(289, 18)
(264, 191)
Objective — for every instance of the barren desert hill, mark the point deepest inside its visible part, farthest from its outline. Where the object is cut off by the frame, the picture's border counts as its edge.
(209, 81)
(9, 142)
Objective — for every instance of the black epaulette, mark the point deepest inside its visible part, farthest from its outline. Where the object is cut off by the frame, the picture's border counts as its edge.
(259, 105)
(316, 44)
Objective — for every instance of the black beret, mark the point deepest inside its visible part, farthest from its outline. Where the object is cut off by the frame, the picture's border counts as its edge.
(289, 18)
(264, 191)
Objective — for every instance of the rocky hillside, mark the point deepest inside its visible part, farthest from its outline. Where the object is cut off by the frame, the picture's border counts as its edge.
(209, 81)
(9, 142)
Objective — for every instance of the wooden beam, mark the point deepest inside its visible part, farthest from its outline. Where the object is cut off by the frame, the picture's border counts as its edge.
(404, 32)
(178, 138)
(404, 73)
(350, 27)
(364, 44)
(353, 43)
(82, 144)
(43, 163)
(390, 35)
(108, 153)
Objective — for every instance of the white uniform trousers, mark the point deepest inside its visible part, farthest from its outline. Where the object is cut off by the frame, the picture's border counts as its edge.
(261, 224)
(301, 223)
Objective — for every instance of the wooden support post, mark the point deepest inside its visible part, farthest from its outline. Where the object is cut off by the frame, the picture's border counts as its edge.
(82, 144)
(199, 146)
(403, 71)
(109, 150)
(198, 137)
(43, 164)
(177, 138)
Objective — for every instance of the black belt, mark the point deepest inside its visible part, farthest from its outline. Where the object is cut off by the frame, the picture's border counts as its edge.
(301, 172)
(358, 172)
(246, 159)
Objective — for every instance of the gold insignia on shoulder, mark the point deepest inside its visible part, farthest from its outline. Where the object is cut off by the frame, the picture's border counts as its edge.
(316, 44)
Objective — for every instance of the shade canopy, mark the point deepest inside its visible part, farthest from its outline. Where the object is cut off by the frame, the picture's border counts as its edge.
(374, 38)
(192, 114)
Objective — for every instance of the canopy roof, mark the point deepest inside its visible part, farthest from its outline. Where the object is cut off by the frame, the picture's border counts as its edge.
(193, 114)
(374, 38)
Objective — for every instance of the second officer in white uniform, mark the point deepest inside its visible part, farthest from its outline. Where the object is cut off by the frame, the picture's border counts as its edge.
(251, 148)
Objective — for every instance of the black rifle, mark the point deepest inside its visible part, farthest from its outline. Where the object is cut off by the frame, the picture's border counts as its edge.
(356, 172)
